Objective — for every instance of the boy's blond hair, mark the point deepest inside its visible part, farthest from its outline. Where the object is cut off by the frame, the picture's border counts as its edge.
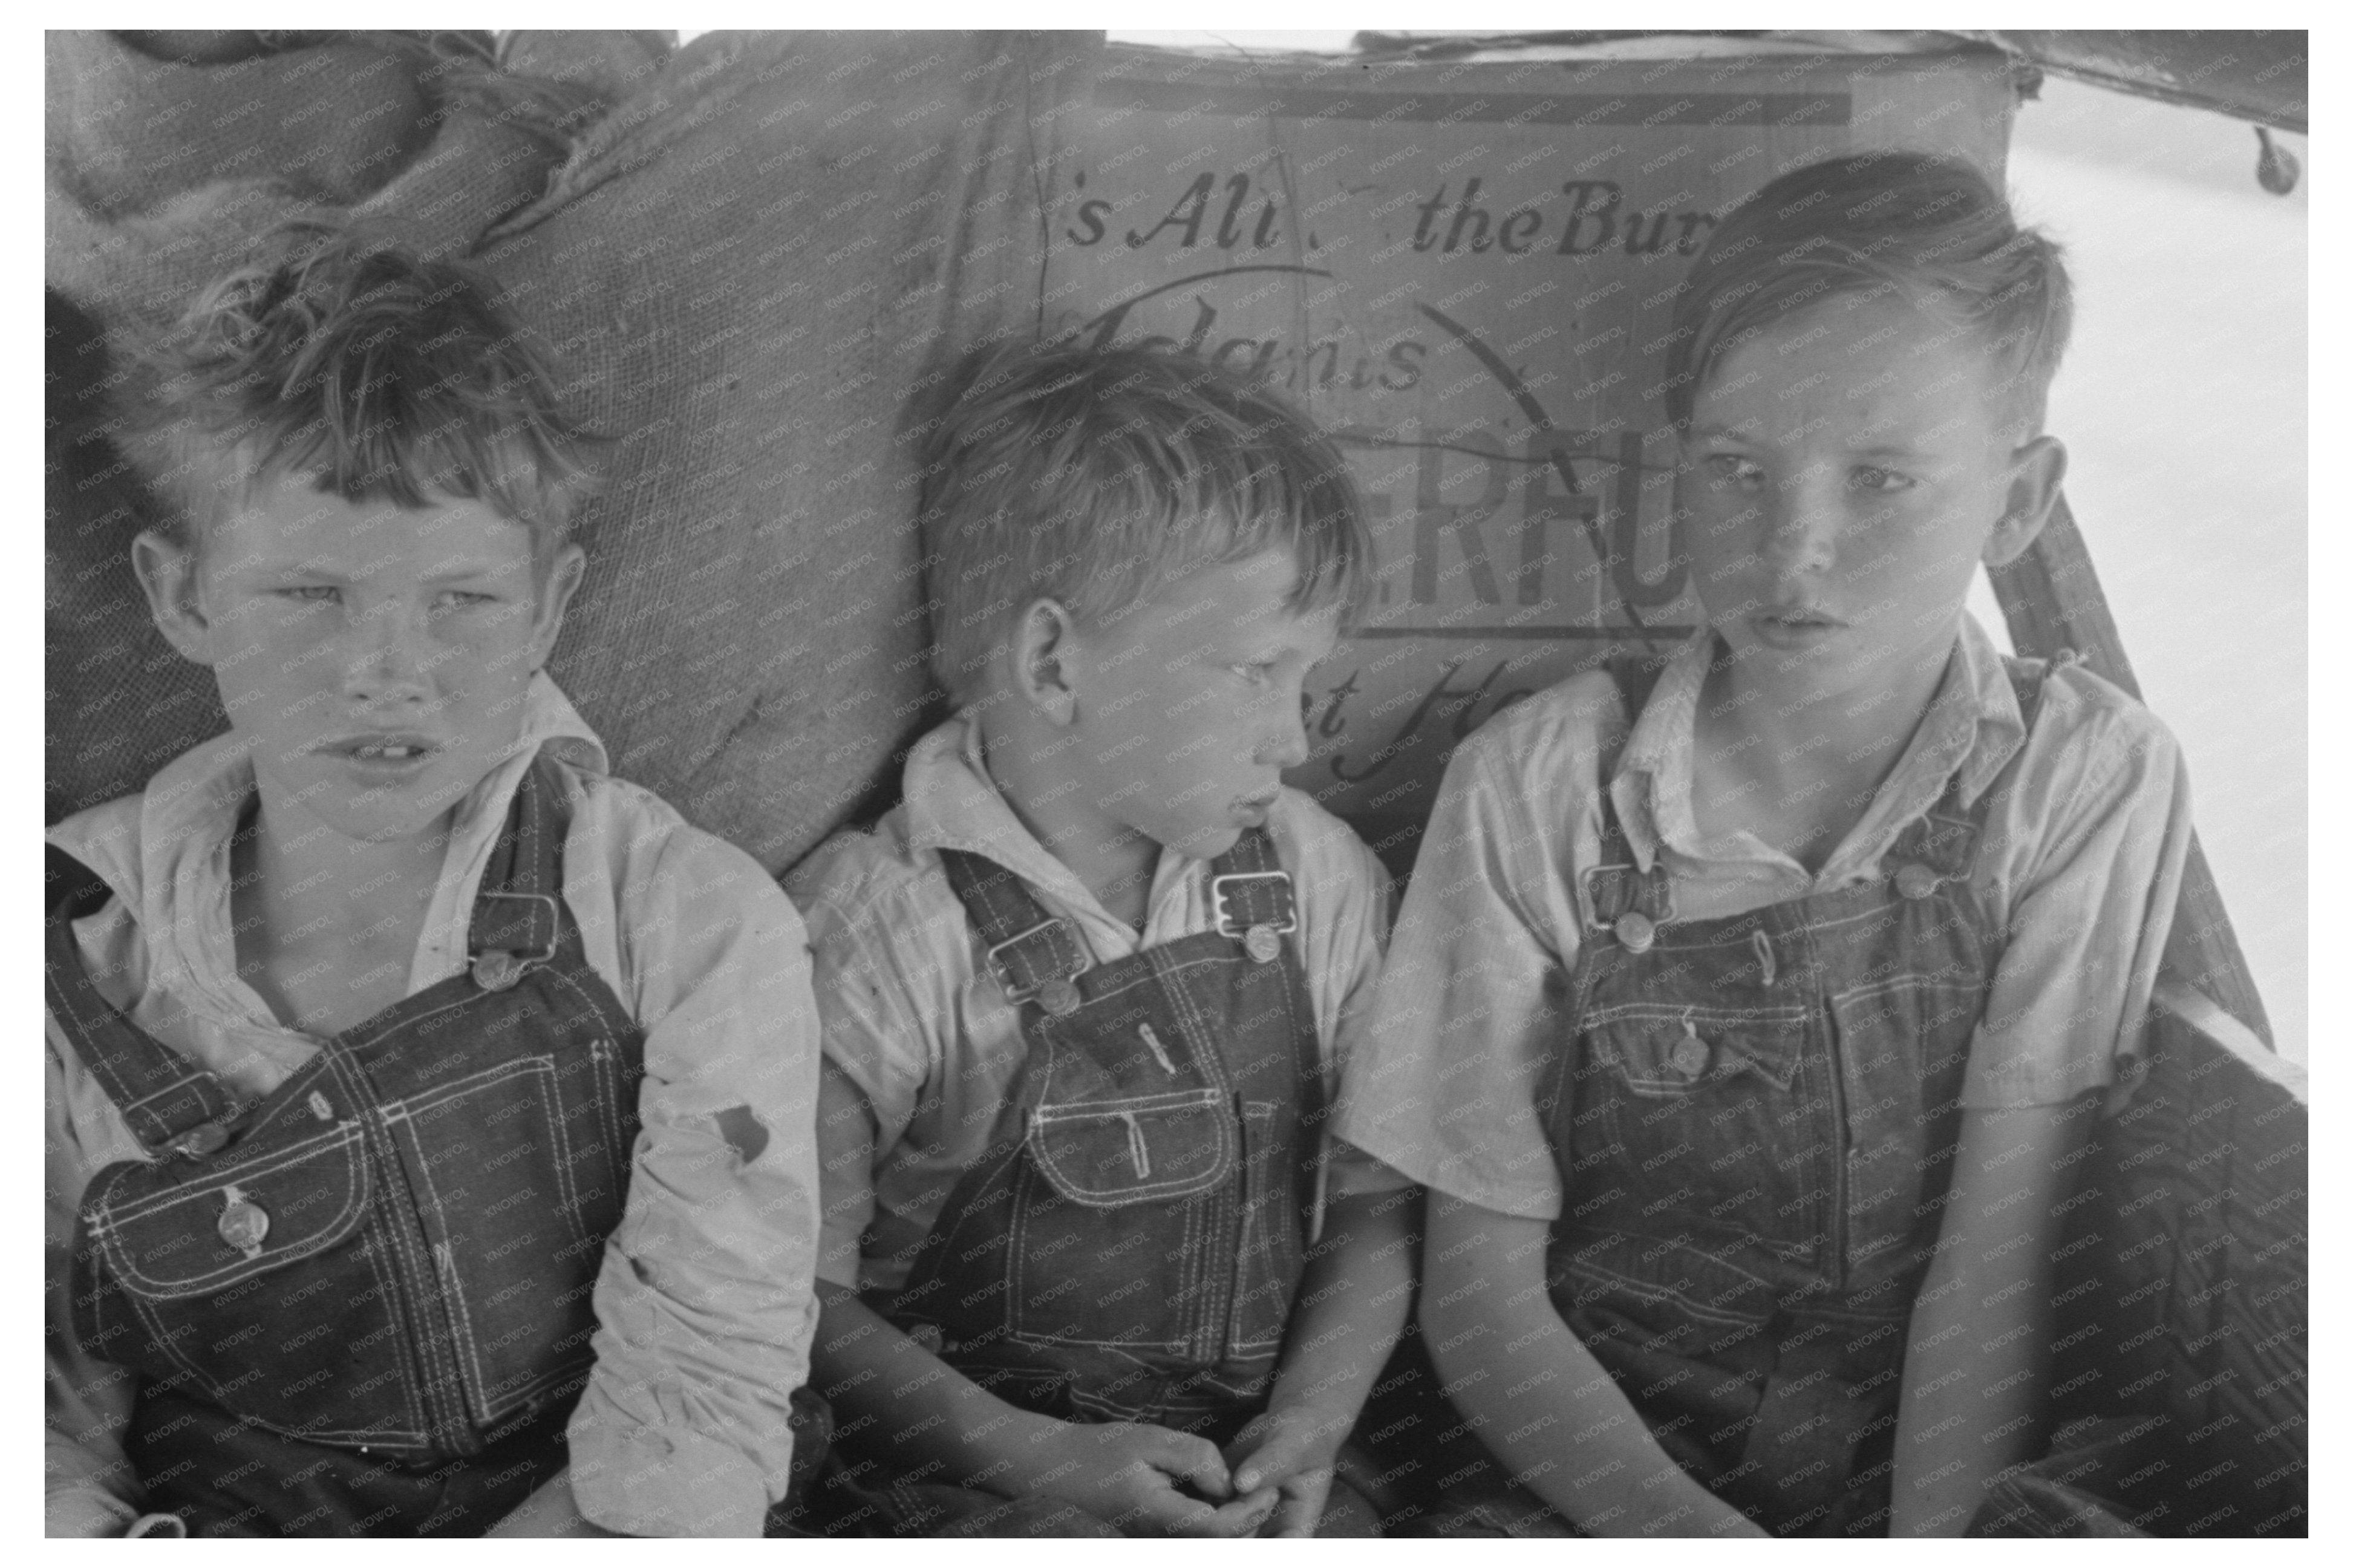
(340, 356)
(1094, 477)
(1932, 229)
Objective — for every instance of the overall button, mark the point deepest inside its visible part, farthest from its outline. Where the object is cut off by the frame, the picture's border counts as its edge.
(1690, 1056)
(243, 1223)
(497, 970)
(1058, 996)
(1916, 881)
(199, 1141)
(1635, 929)
(1261, 943)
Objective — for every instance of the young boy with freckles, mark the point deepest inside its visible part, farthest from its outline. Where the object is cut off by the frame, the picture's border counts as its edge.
(1745, 1014)
(427, 1110)
(1087, 992)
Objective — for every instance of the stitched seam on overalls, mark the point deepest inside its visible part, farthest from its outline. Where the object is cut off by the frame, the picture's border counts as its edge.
(380, 1247)
(1205, 1238)
(227, 1273)
(1029, 1174)
(1250, 1213)
(452, 1356)
(159, 1335)
(418, 1429)
(541, 1072)
(1145, 1192)
(462, 1320)
(1651, 1290)
(444, 1397)
(87, 1028)
(1279, 1212)
(620, 1153)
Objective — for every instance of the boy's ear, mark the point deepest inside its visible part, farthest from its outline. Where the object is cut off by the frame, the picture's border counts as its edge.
(555, 597)
(1041, 652)
(2035, 470)
(167, 574)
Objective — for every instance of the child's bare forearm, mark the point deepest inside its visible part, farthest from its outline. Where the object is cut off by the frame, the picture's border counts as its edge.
(1973, 1379)
(1979, 1358)
(894, 1392)
(1537, 1397)
(1352, 1305)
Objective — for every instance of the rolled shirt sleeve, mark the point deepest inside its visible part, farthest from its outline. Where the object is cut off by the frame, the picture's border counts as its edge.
(2101, 814)
(1344, 893)
(885, 988)
(703, 1305)
(1442, 1085)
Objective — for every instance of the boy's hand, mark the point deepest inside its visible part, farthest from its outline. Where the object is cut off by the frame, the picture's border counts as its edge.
(1128, 1475)
(1285, 1456)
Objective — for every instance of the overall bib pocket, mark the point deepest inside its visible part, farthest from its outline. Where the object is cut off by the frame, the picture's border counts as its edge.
(1153, 1149)
(1714, 1118)
(516, 1200)
(235, 1279)
(1115, 1221)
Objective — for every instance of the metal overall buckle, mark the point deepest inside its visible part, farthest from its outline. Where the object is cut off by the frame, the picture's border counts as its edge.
(1263, 939)
(501, 969)
(1056, 993)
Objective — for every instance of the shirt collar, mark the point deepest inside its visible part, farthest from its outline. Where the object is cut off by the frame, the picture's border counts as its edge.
(953, 803)
(1971, 731)
(190, 808)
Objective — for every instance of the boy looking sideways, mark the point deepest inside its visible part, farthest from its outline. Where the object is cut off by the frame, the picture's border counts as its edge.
(1087, 989)
(1743, 1017)
(427, 1109)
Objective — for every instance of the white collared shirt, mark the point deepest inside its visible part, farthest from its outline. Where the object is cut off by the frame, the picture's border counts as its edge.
(915, 1023)
(704, 1309)
(2080, 865)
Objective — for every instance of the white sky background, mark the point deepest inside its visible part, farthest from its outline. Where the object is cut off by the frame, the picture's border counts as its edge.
(2182, 402)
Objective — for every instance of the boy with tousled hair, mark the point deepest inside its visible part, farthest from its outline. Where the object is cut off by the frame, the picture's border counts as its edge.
(427, 1110)
(1748, 1011)
(1089, 987)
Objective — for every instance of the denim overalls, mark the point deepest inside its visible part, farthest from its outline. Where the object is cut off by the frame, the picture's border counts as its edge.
(1128, 1246)
(360, 1304)
(1755, 1123)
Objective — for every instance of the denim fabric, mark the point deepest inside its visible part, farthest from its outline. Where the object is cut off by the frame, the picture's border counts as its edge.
(1127, 1248)
(393, 1255)
(1755, 1125)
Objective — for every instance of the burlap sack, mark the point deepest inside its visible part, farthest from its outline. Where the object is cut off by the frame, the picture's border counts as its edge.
(744, 266)
(333, 123)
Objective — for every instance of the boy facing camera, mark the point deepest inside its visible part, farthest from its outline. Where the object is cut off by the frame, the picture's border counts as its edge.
(1747, 1013)
(427, 1110)
(1087, 992)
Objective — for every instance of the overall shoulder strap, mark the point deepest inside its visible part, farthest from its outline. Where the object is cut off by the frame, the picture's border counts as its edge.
(1027, 948)
(517, 917)
(171, 1104)
(1615, 886)
(1249, 888)
(1636, 675)
(2026, 679)
(1252, 900)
